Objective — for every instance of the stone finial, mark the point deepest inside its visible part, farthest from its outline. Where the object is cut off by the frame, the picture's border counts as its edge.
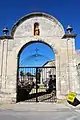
(69, 34)
(5, 31)
(69, 29)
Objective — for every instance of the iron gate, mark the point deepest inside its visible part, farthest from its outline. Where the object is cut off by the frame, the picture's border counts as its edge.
(36, 84)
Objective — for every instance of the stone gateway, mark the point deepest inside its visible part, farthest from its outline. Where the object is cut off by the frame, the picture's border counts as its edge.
(46, 29)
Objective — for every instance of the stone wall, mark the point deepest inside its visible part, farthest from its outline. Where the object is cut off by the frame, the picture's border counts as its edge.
(51, 33)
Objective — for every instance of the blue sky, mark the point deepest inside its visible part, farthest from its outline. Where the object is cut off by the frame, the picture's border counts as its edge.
(36, 54)
(66, 11)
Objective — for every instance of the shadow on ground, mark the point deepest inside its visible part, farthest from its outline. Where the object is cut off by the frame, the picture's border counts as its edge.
(24, 95)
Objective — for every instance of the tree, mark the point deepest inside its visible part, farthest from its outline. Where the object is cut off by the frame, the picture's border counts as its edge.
(22, 75)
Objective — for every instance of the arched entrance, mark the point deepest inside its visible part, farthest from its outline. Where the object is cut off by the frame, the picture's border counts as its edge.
(46, 29)
(36, 77)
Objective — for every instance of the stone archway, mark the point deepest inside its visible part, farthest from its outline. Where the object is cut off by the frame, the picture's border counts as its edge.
(48, 30)
(27, 80)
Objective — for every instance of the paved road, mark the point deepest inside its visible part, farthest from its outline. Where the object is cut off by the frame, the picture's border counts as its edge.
(38, 112)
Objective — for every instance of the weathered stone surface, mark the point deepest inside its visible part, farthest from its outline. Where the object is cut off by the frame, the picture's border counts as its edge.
(51, 32)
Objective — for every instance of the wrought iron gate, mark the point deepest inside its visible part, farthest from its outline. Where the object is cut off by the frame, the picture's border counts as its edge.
(36, 84)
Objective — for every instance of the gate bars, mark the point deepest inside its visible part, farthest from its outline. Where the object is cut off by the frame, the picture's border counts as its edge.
(36, 84)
